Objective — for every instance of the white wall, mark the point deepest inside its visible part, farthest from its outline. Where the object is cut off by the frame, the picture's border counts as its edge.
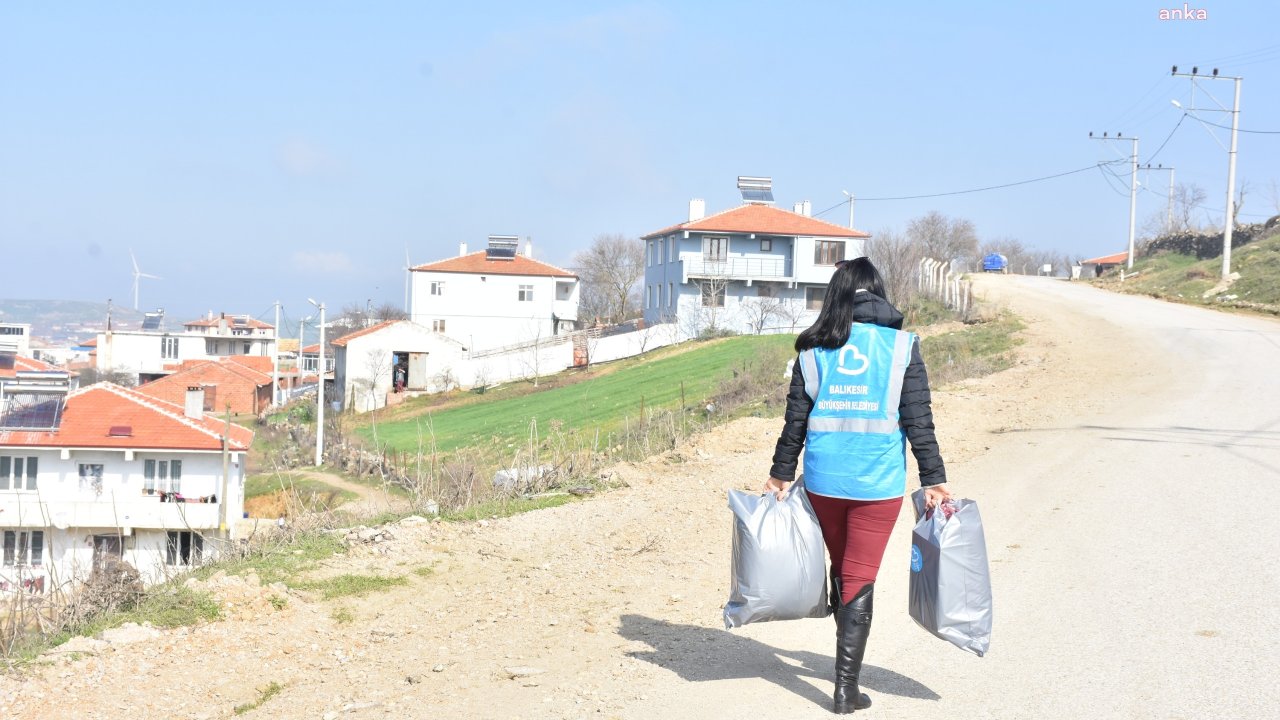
(69, 514)
(484, 311)
(139, 352)
(353, 371)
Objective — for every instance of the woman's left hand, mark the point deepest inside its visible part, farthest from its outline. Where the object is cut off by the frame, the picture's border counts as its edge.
(777, 487)
(935, 495)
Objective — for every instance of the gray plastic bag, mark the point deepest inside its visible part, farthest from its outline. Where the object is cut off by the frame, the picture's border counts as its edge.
(779, 561)
(950, 592)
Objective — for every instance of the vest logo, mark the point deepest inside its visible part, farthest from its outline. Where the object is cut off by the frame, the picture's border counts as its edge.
(917, 560)
(859, 360)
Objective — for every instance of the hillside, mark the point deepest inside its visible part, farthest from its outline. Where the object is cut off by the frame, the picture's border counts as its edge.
(58, 320)
(1183, 278)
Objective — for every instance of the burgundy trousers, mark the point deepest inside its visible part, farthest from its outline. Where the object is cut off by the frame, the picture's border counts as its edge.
(856, 532)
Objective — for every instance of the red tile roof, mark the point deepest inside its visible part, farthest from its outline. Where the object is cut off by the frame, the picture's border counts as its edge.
(245, 389)
(477, 263)
(26, 364)
(261, 363)
(1115, 259)
(312, 349)
(155, 424)
(342, 341)
(763, 220)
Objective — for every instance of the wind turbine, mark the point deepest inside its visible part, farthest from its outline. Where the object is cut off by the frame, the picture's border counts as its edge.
(408, 272)
(136, 275)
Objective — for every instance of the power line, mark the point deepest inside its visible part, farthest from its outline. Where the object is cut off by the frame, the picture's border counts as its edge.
(1228, 127)
(1105, 171)
(1167, 139)
(970, 190)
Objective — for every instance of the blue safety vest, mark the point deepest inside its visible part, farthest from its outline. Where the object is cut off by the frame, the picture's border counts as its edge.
(855, 447)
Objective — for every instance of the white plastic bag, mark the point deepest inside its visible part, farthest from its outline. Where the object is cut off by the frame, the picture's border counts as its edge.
(950, 590)
(779, 562)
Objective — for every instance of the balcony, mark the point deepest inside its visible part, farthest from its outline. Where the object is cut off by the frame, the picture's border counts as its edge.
(22, 510)
(735, 268)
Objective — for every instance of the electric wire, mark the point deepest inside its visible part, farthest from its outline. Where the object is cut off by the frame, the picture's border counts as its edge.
(1228, 127)
(1167, 139)
(969, 190)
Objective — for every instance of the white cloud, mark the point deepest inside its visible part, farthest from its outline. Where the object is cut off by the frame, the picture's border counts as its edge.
(321, 262)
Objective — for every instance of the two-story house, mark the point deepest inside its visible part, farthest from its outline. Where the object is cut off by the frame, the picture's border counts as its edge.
(750, 269)
(153, 351)
(495, 297)
(15, 338)
(105, 470)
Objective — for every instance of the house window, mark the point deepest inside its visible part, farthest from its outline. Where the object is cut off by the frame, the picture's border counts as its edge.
(183, 548)
(715, 249)
(828, 252)
(437, 288)
(169, 348)
(671, 294)
(648, 296)
(649, 257)
(526, 293)
(766, 244)
(437, 326)
(247, 348)
(18, 473)
(813, 297)
(91, 477)
(712, 294)
(660, 245)
(22, 547)
(162, 476)
(766, 290)
(671, 249)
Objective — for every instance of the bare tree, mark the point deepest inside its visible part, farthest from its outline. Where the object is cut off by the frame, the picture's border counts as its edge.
(937, 236)
(90, 376)
(609, 272)
(1187, 199)
(792, 312)
(760, 310)
(1245, 187)
(713, 299)
(897, 259)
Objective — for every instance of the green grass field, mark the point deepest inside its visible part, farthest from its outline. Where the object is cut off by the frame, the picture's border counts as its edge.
(1182, 278)
(601, 403)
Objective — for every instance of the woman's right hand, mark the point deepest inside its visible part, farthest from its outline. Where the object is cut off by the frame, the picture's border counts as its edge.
(777, 487)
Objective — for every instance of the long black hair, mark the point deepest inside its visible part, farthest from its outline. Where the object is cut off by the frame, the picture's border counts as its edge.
(831, 329)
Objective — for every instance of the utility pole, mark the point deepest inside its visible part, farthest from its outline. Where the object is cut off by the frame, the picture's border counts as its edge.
(850, 196)
(1230, 221)
(275, 362)
(1168, 221)
(320, 390)
(1133, 186)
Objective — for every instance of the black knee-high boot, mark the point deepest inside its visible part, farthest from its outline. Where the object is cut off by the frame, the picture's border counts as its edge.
(853, 627)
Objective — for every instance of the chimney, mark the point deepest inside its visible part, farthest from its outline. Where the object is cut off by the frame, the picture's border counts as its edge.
(462, 249)
(528, 248)
(798, 208)
(194, 407)
(697, 209)
(807, 208)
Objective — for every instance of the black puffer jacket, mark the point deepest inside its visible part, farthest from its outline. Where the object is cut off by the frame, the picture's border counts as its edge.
(915, 413)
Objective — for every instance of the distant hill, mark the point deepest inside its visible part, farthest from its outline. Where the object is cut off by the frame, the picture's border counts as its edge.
(64, 320)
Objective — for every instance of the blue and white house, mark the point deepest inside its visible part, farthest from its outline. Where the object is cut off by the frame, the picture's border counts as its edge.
(750, 269)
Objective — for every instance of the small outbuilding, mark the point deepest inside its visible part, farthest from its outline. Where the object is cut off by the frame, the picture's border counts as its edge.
(382, 363)
(1094, 267)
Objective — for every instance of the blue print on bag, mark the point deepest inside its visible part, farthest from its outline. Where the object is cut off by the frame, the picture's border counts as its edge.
(917, 562)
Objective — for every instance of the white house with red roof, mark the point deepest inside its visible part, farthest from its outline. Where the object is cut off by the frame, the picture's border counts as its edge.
(105, 470)
(495, 297)
(154, 351)
(752, 268)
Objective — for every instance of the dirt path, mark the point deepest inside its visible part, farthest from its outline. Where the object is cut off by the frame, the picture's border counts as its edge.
(1114, 466)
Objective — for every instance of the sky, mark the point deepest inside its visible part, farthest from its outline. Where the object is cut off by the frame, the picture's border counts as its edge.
(251, 152)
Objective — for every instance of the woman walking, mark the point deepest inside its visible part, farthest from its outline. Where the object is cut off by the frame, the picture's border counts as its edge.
(859, 392)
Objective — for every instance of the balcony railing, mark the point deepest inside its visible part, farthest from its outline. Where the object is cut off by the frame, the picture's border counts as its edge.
(134, 512)
(736, 267)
